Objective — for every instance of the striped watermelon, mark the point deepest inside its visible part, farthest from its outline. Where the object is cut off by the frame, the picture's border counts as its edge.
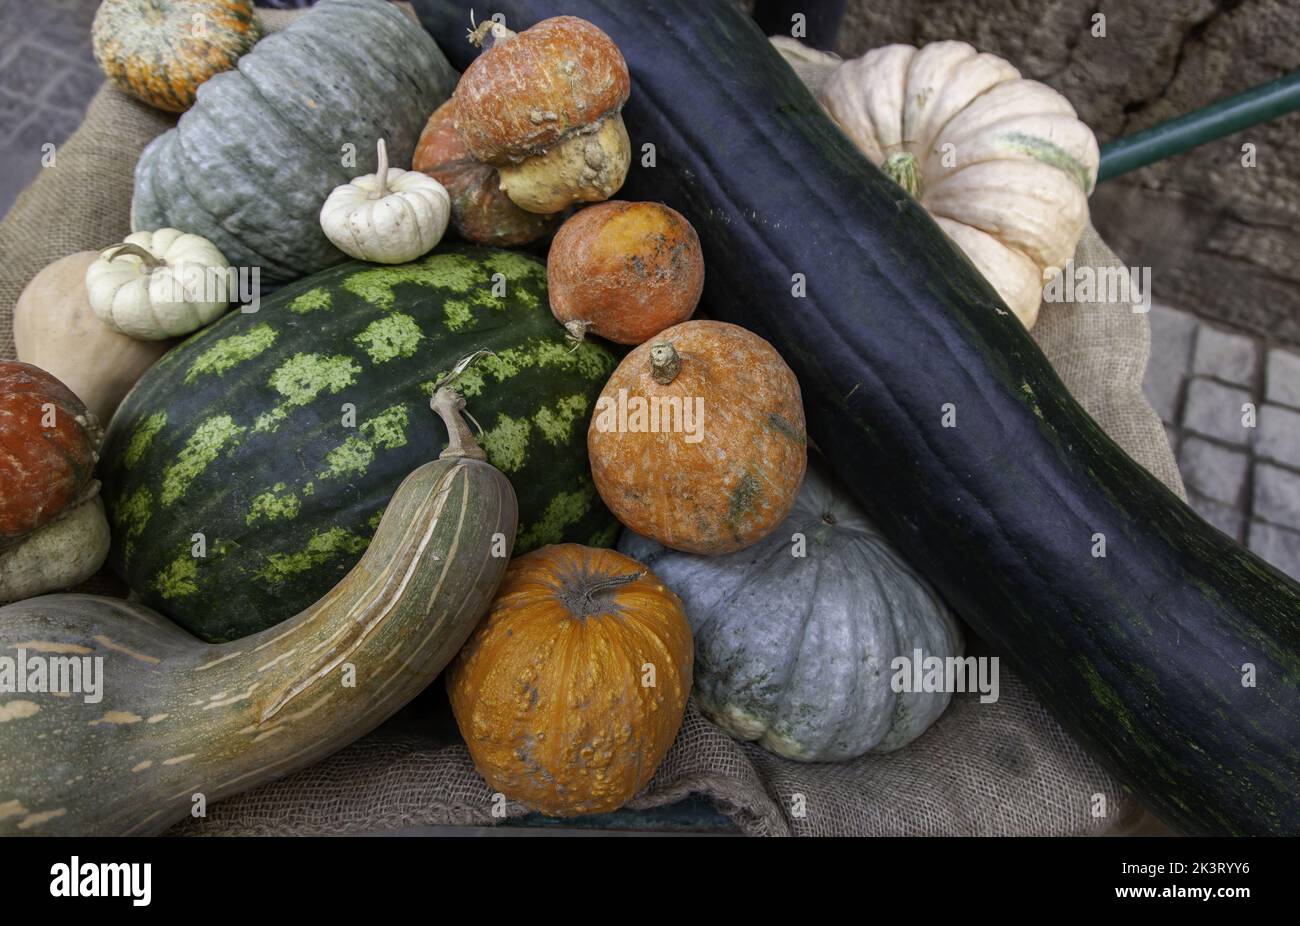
(280, 435)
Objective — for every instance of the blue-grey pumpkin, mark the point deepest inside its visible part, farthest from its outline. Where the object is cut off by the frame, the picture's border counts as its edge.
(794, 652)
(251, 162)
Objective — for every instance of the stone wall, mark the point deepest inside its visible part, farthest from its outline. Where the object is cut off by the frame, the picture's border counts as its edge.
(1223, 240)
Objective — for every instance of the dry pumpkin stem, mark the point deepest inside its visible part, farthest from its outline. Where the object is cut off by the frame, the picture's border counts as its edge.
(148, 261)
(583, 600)
(381, 171)
(488, 33)
(665, 363)
(903, 169)
(576, 332)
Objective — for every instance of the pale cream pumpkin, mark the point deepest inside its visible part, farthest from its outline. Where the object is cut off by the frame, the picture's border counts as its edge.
(389, 217)
(160, 284)
(1002, 163)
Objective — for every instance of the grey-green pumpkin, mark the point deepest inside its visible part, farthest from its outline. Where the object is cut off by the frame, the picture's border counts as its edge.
(795, 635)
(251, 162)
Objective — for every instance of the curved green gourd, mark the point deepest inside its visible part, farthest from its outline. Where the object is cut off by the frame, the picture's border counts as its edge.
(174, 723)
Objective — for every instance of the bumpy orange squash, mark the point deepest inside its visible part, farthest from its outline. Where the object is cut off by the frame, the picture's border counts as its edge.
(160, 51)
(625, 271)
(698, 438)
(480, 211)
(571, 690)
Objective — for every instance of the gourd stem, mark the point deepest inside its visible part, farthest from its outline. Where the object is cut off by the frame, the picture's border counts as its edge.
(903, 169)
(449, 405)
(489, 33)
(584, 601)
(665, 364)
(147, 260)
(576, 331)
(381, 172)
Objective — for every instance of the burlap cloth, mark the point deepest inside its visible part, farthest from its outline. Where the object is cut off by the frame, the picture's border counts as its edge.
(1004, 768)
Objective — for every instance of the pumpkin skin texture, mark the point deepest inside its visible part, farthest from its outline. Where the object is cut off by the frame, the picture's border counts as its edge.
(711, 489)
(795, 652)
(160, 51)
(46, 462)
(480, 211)
(544, 107)
(281, 434)
(55, 329)
(625, 271)
(1012, 191)
(179, 717)
(548, 692)
(249, 165)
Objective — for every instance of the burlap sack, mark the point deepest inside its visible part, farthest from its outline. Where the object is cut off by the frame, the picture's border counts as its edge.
(1003, 768)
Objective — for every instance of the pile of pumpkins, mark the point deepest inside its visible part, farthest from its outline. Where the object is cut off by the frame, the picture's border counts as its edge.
(745, 576)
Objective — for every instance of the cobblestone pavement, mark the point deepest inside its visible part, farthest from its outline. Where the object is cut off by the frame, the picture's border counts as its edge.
(47, 76)
(1242, 468)
(1231, 405)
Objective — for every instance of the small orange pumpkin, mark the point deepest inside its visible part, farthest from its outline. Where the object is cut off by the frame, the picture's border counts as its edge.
(698, 438)
(48, 449)
(573, 687)
(625, 271)
(480, 211)
(160, 51)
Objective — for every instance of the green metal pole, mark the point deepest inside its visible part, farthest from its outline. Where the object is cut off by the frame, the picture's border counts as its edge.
(1167, 139)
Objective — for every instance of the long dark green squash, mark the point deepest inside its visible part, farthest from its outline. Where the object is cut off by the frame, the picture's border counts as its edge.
(1141, 653)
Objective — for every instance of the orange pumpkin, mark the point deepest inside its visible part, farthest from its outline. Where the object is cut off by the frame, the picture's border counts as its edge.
(573, 687)
(480, 211)
(625, 271)
(160, 51)
(698, 438)
(48, 450)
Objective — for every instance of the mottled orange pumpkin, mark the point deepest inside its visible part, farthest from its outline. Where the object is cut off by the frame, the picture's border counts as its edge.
(573, 687)
(625, 271)
(544, 106)
(48, 450)
(698, 438)
(160, 51)
(480, 211)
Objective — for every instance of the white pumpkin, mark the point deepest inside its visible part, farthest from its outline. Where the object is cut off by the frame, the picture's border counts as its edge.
(160, 284)
(1002, 163)
(388, 217)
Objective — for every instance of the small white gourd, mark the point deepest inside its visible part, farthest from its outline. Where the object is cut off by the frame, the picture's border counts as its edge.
(160, 284)
(388, 217)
